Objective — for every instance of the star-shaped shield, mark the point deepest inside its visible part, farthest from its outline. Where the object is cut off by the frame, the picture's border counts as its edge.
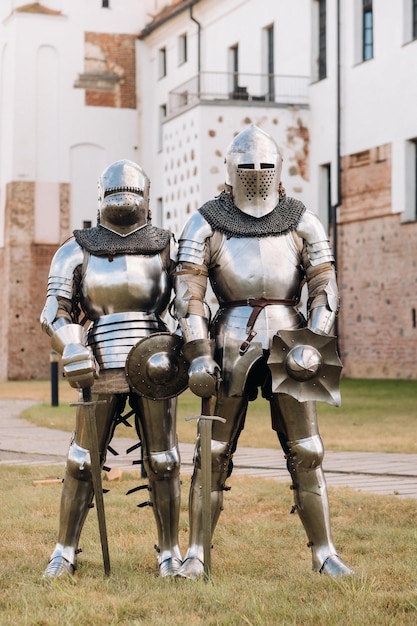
(306, 366)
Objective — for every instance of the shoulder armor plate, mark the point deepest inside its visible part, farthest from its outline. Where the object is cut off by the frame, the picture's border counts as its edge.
(192, 241)
(312, 231)
(66, 259)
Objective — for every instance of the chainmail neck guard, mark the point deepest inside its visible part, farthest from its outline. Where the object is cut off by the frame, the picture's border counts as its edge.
(102, 242)
(222, 214)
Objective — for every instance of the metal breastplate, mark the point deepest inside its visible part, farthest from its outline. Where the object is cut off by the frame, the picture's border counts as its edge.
(252, 267)
(266, 268)
(124, 298)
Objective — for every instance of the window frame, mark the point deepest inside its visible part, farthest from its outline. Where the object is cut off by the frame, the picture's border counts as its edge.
(163, 112)
(322, 39)
(413, 19)
(162, 62)
(367, 30)
(182, 49)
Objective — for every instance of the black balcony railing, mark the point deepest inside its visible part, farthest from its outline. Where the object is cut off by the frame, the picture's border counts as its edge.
(229, 86)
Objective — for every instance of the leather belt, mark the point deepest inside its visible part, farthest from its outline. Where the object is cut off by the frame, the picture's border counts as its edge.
(257, 305)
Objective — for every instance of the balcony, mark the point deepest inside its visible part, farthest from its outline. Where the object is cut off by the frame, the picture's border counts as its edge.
(221, 87)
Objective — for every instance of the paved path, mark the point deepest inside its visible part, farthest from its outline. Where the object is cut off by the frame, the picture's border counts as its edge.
(22, 443)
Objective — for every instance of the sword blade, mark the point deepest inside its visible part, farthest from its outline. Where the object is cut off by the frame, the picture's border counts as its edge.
(205, 423)
(206, 428)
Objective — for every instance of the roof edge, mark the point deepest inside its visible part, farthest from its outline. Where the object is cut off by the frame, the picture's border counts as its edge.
(165, 15)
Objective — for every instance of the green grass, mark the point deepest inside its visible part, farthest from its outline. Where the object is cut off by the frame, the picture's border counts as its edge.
(375, 416)
(261, 567)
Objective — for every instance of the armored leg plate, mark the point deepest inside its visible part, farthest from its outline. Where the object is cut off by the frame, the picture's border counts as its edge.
(192, 568)
(169, 567)
(333, 566)
(58, 567)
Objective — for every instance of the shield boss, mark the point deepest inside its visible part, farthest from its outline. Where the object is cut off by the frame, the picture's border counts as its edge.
(156, 367)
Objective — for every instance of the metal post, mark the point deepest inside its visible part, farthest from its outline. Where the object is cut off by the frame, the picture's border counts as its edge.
(54, 359)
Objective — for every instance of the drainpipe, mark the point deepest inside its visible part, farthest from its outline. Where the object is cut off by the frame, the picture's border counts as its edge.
(338, 142)
(198, 48)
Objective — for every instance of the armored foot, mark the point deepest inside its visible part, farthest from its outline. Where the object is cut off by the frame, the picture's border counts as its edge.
(192, 568)
(58, 567)
(333, 566)
(169, 567)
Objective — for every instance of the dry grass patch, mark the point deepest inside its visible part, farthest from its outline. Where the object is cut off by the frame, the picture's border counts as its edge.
(261, 566)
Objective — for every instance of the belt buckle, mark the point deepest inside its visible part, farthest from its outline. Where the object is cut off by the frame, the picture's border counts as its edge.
(245, 345)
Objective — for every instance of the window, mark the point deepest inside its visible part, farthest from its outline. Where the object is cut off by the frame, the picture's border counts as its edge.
(413, 212)
(159, 219)
(414, 18)
(162, 116)
(367, 30)
(409, 200)
(182, 49)
(322, 40)
(234, 61)
(331, 216)
(162, 62)
(270, 62)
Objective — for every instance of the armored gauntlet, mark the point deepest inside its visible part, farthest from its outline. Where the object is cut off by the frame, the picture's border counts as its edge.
(80, 367)
(203, 372)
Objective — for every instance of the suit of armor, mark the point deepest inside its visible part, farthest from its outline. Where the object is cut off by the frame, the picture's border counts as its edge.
(117, 276)
(257, 256)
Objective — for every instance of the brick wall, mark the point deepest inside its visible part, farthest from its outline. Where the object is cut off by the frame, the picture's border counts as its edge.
(25, 272)
(377, 273)
(108, 55)
(3, 308)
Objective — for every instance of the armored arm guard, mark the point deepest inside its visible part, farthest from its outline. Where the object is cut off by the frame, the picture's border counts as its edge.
(190, 288)
(190, 281)
(62, 289)
(318, 262)
(57, 317)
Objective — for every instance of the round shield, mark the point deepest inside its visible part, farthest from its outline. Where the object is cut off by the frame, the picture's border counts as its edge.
(156, 368)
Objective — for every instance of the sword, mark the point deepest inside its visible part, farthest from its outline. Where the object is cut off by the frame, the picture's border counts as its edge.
(87, 407)
(205, 422)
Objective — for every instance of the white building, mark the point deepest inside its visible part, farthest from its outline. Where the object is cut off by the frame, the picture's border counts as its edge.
(75, 97)
(208, 68)
(168, 84)
(67, 109)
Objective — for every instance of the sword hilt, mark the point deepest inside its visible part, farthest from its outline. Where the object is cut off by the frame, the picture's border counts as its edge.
(87, 394)
(215, 418)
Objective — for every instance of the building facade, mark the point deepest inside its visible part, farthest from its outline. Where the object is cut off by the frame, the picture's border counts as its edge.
(168, 84)
(363, 168)
(67, 109)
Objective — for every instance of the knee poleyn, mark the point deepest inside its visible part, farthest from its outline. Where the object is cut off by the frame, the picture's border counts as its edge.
(305, 454)
(79, 462)
(161, 465)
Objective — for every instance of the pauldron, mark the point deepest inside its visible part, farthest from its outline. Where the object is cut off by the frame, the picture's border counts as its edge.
(222, 215)
(103, 242)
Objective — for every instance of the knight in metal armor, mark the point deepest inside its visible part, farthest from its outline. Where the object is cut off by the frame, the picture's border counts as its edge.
(117, 277)
(257, 247)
